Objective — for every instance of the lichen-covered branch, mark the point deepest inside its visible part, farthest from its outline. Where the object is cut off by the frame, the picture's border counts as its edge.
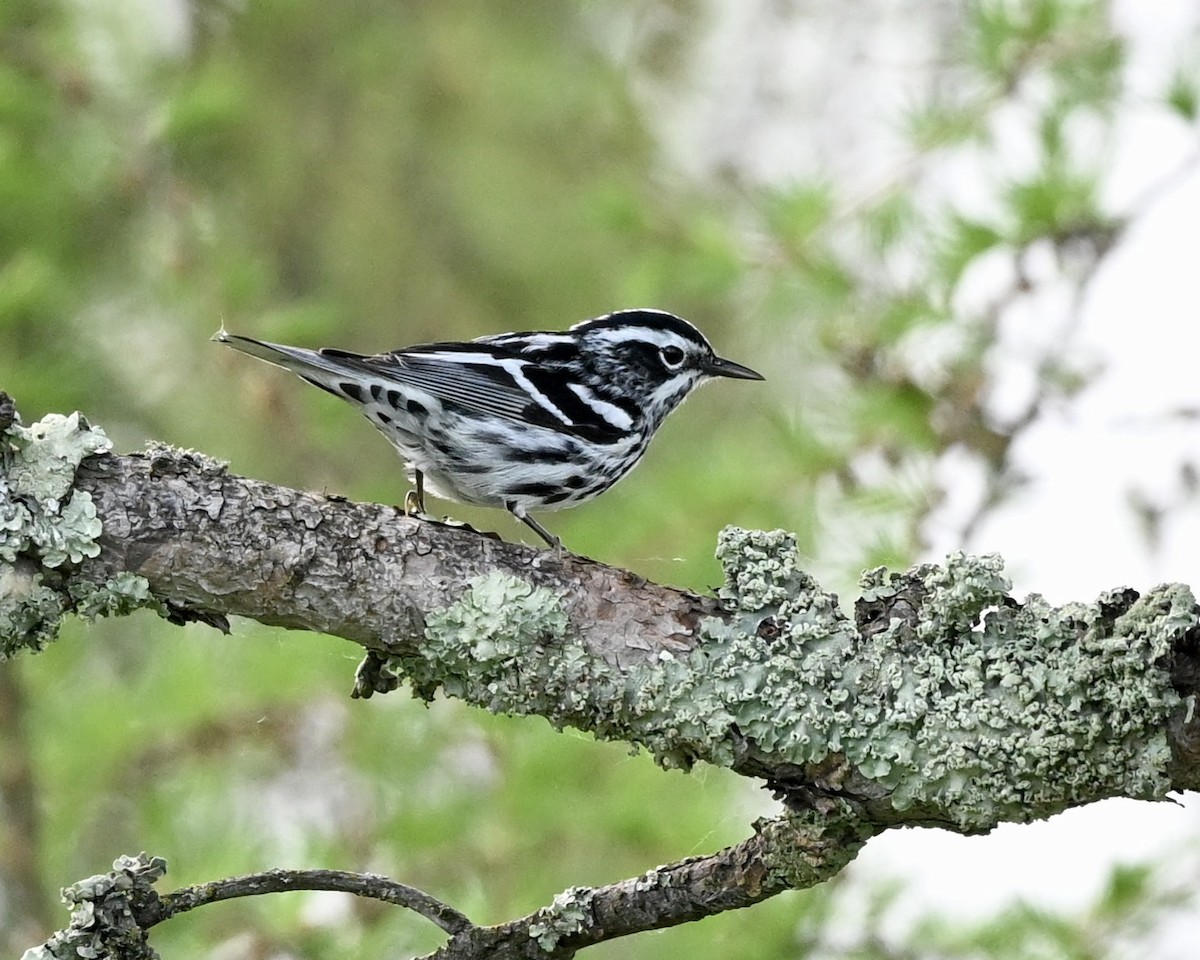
(789, 853)
(112, 913)
(104, 914)
(942, 701)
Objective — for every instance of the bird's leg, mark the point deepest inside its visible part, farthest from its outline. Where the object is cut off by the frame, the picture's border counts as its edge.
(542, 532)
(535, 526)
(414, 500)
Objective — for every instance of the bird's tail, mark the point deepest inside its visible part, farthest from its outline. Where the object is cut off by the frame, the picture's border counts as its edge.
(327, 370)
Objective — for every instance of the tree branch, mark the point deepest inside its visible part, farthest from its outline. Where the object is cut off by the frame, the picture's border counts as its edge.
(944, 701)
(222, 545)
(111, 913)
(754, 870)
(368, 885)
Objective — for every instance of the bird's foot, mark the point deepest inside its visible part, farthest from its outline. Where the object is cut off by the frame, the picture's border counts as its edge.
(414, 504)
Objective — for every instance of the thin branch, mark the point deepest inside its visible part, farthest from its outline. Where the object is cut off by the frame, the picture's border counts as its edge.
(368, 885)
(784, 854)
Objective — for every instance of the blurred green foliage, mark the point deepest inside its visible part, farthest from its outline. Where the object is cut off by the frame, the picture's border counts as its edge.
(370, 174)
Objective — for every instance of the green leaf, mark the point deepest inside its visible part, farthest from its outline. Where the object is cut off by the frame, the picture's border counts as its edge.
(1183, 94)
(965, 239)
(891, 221)
(1056, 202)
(944, 123)
(794, 215)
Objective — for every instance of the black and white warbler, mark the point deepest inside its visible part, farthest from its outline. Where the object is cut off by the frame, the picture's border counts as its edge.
(523, 421)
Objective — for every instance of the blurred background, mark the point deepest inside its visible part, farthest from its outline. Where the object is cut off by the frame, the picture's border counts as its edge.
(959, 239)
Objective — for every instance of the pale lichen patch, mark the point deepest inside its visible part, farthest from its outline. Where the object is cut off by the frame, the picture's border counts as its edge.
(568, 914)
(45, 524)
(966, 704)
(492, 646)
(104, 912)
(39, 514)
(998, 711)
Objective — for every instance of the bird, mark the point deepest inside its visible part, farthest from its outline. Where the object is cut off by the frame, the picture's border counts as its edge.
(524, 422)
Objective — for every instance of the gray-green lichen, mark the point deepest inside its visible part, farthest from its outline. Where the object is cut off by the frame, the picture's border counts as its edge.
(30, 611)
(103, 922)
(117, 597)
(987, 710)
(975, 709)
(45, 523)
(474, 648)
(568, 914)
(39, 513)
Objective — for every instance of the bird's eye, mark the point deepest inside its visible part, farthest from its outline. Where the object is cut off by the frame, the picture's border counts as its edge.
(672, 356)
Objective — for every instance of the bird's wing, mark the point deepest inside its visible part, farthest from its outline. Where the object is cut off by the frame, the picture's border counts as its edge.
(480, 379)
(491, 379)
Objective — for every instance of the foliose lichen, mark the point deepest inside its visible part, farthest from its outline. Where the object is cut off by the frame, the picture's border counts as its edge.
(475, 647)
(44, 524)
(999, 710)
(39, 512)
(981, 709)
(103, 907)
(30, 611)
(117, 597)
(566, 915)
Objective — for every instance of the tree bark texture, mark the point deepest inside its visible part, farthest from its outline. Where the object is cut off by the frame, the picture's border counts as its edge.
(211, 544)
(942, 701)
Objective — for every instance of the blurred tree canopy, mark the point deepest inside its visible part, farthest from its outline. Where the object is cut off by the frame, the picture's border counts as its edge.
(371, 174)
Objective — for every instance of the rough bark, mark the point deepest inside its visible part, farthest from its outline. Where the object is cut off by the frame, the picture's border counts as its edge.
(214, 543)
(943, 701)
(211, 544)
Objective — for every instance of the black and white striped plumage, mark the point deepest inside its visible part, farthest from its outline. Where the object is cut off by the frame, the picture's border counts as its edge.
(523, 421)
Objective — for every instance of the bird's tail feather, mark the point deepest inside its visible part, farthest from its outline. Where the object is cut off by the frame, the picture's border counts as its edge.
(315, 366)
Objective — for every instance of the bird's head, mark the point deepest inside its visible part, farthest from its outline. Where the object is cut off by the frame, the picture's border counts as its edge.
(655, 354)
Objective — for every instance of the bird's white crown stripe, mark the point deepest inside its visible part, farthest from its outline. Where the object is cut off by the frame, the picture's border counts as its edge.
(658, 338)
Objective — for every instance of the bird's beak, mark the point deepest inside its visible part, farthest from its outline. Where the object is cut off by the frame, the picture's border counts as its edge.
(717, 367)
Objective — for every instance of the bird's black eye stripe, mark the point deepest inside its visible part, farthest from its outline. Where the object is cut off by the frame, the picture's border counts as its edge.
(645, 355)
